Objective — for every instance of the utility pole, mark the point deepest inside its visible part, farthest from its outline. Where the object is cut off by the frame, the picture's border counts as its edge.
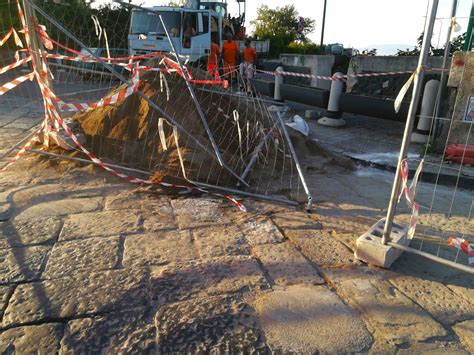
(324, 22)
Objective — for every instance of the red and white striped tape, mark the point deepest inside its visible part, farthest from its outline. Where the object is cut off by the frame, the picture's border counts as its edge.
(174, 66)
(462, 244)
(15, 37)
(54, 115)
(46, 93)
(14, 83)
(410, 193)
(332, 78)
(44, 36)
(88, 59)
(14, 65)
(24, 149)
(109, 100)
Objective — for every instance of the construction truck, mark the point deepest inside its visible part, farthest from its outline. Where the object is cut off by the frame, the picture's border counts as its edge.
(191, 28)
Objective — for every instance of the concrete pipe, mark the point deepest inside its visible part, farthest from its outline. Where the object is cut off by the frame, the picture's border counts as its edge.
(421, 132)
(333, 114)
(278, 82)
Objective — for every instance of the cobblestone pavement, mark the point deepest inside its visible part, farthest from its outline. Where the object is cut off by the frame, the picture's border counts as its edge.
(89, 264)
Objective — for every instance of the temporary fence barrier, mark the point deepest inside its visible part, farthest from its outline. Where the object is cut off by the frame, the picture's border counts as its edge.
(170, 122)
(439, 229)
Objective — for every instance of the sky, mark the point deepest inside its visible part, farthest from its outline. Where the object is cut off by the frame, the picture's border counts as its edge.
(365, 23)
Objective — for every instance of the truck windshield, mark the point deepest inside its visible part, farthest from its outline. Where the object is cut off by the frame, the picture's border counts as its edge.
(149, 23)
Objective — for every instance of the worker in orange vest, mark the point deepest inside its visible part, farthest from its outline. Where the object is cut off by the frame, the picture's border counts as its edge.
(230, 51)
(247, 67)
(250, 59)
(213, 58)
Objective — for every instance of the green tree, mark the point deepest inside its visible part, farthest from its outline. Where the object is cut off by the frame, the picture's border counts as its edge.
(176, 3)
(297, 47)
(456, 45)
(8, 19)
(280, 26)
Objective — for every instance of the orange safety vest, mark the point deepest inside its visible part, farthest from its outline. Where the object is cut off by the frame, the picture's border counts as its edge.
(214, 54)
(230, 50)
(249, 54)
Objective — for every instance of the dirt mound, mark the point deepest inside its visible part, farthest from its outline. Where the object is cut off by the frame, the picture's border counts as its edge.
(128, 133)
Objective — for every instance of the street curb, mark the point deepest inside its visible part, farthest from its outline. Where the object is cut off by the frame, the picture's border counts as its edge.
(464, 182)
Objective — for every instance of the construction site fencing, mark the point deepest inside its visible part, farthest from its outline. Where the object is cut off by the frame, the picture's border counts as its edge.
(440, 228)
(151, 119)
(69, 89)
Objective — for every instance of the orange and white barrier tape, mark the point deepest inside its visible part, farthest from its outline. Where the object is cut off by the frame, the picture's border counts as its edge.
(93, 158)
(56, 117)
(89, 59)
(109, 100)
(14, 65)
(332, 78)
(44, 36)
(15, 37)
(462, 244)
(14, 83)
(410, 193)
(24, 149)
(48, 44)
(174, 66)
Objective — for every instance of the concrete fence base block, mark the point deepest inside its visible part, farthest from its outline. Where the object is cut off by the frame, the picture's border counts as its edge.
(312, 114)
(419, 138)
(369, 247)
(331, 122)
(278, 108)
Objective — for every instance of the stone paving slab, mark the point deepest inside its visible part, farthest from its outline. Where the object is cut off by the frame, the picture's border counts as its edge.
(23, 232)
(130, 197)
(157, 218)
(13, 179)
(126, 332)
(5, 211)
(463, 286)
(218, 241)
(296, 220)
(5, 292)
(33, 339)
(51, 192)
(215, 325)
(465, 332)
(21, 264)
(285, 265)
(311, 319)
(61, 208)
(81, 294)
(156, 210)
(97, 224)
(322, 248)
(179, 281)
(390, 314)
(434, 347)
(93, 254)
(444, 305)
(158, 248)
(199, 212)
(8, 236)
(259, 230)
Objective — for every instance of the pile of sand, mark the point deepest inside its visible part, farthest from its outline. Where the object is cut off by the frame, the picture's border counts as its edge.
(127, 133)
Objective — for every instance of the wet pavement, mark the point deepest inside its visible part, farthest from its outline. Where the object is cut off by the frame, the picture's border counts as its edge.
(376, 142)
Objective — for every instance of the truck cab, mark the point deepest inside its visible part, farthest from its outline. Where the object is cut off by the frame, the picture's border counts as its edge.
(192, 27)
(191, 31)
